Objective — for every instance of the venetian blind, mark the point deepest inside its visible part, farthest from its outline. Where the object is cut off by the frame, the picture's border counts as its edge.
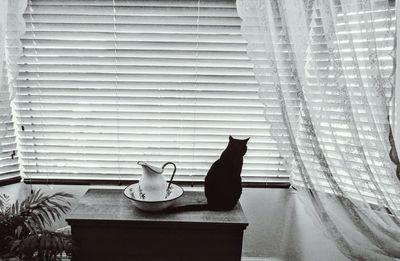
(104, 84)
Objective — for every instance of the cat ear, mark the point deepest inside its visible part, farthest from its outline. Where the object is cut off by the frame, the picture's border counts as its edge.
(247, 139)
(230, 138)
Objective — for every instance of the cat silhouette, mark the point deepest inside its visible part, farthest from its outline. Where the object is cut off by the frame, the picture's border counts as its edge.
(223, 183)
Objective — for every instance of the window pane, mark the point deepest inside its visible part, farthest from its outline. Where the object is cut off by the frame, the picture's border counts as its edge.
(102, 86)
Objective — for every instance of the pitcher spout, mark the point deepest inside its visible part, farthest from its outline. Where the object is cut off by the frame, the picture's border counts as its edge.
(149, 167)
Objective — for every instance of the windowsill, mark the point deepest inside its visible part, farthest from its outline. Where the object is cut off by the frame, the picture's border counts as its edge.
(274, 215)
(194, 184)
(10, 181)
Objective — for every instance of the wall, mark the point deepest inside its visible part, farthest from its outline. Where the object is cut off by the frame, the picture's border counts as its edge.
(280, 226)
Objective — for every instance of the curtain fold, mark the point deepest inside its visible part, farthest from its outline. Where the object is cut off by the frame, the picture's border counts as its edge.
(330, 65)
(12, 26)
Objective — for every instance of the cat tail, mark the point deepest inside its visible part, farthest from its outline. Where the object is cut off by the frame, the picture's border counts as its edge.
(192, 207)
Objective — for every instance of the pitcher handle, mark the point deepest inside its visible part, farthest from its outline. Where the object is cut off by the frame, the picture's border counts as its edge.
(173, 173)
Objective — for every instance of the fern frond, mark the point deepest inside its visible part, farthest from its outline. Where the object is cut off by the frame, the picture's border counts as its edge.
(25, 222)
(40, 210)
(4, 202)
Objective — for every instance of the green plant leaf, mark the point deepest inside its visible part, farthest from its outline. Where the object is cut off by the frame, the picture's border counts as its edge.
(18, 231)
(29, 218)
(15, 244)
(4, 203)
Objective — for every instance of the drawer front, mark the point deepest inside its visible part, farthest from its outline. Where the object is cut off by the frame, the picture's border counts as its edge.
(130, 243)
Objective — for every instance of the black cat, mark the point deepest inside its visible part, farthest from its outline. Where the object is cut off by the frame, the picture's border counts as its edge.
(223, 184)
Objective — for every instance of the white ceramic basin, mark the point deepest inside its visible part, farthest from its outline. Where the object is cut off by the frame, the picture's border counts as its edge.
(138, 199)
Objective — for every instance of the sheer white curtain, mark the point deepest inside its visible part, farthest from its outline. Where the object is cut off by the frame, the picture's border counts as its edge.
(12, 26)
(330, 64)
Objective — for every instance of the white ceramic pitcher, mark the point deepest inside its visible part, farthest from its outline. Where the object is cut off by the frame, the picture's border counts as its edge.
(153, 185)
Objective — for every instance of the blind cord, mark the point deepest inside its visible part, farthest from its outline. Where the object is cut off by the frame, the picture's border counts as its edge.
(116, 92)
(196, 72)
(40, 94)
(35, 51)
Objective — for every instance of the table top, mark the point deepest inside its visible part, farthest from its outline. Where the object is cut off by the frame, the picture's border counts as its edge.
(111, 206)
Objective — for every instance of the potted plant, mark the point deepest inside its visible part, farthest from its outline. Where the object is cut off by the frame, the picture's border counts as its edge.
(23, 227)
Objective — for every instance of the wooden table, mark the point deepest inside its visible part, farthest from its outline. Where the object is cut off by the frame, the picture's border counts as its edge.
(106, 226)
